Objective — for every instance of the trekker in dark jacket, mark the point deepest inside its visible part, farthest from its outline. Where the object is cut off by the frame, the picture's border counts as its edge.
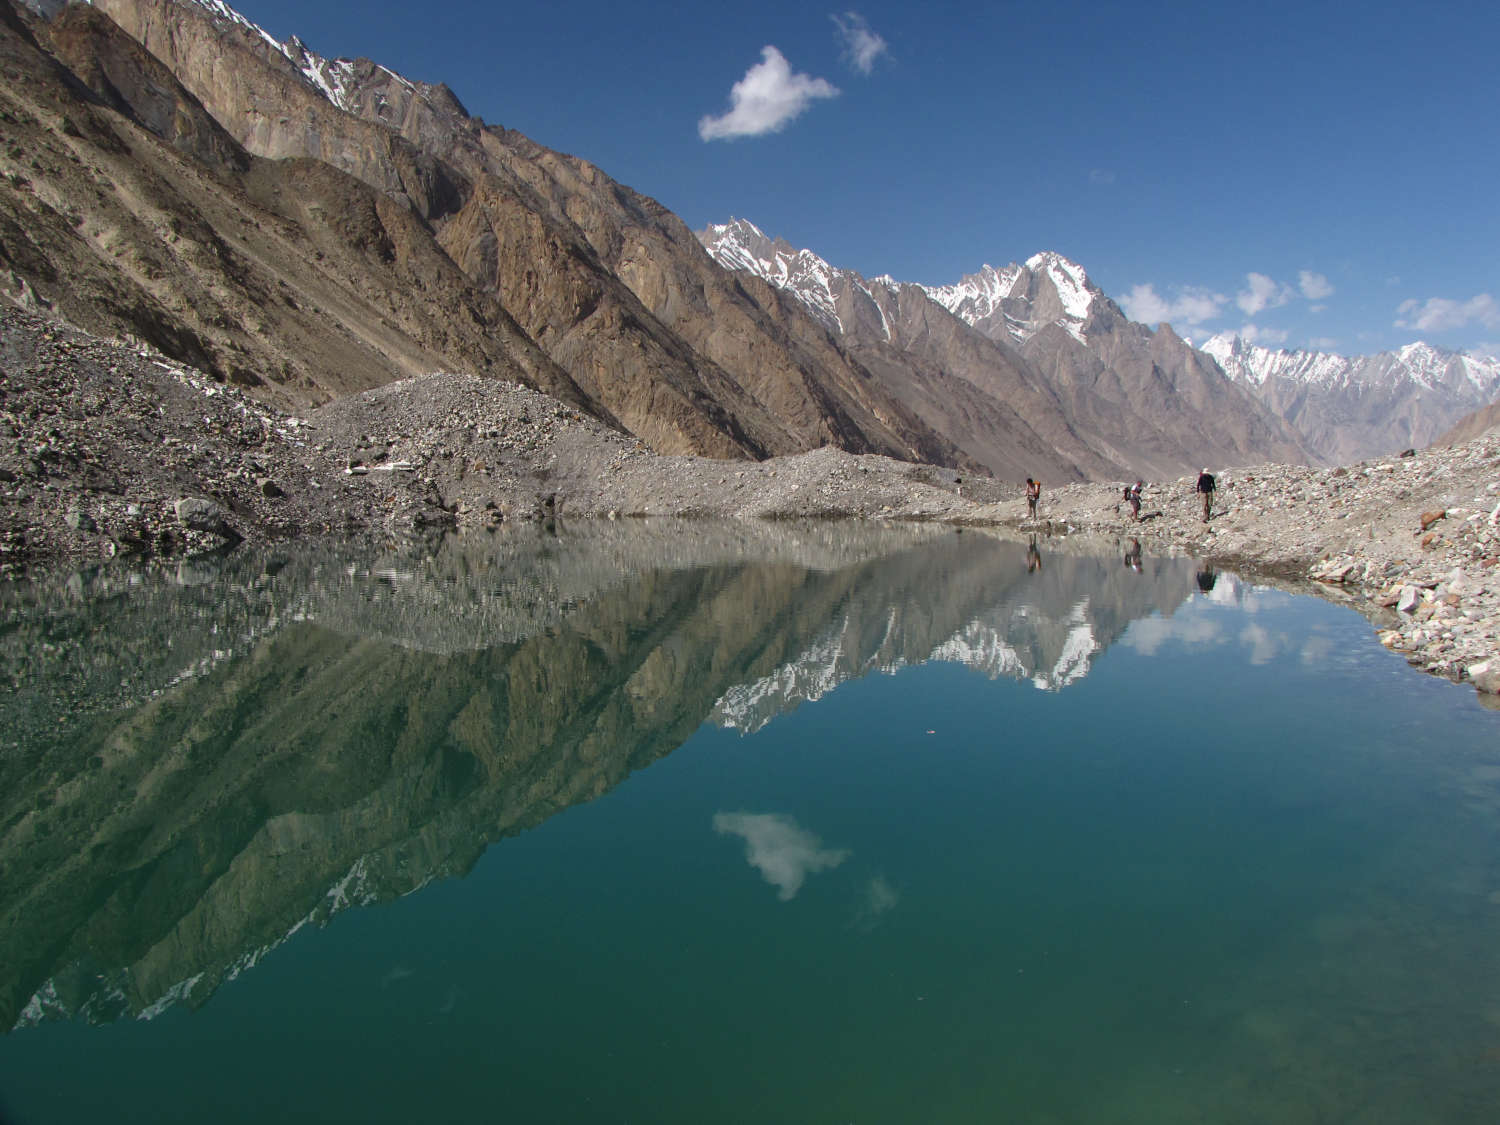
(1206, 486)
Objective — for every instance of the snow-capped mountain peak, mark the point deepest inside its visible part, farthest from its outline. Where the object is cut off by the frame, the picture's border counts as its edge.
(1048, 289)
(1423, 366)
(1070, 281)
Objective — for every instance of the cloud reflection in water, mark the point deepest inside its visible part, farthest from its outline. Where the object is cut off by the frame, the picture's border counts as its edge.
(779, 848)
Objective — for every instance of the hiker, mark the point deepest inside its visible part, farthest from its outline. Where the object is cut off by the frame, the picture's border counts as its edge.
(1206, 486)
(1133, 498)
(1033, 497)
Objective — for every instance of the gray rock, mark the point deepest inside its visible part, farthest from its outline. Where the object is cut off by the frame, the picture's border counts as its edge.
(80, 520)
(199, 514)
(1486, 675)
(1410, 599)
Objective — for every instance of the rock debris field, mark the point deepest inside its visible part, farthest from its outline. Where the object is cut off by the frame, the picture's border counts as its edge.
(107, 450)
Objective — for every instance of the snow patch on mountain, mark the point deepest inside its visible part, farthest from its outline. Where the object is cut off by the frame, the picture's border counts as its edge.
(740, 245)
(1012, 293)
(1071, 283)
(978, 296)
(333, 78)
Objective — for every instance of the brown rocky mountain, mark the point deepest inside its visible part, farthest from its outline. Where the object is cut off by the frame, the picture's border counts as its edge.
(335, 247)
(312, 228)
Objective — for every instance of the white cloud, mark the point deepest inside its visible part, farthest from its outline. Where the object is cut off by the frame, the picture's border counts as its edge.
(1314, 286)
(1190, 306)
(1266, 337)
(779, 848)
(1438, 314)
(765, 100)
(1101, 176)
(861, 45)
(1324, 343)
(1262, 293)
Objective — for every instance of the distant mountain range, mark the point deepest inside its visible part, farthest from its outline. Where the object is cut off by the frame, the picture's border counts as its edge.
(310, 227)
(1348, 408)
(1341, 408)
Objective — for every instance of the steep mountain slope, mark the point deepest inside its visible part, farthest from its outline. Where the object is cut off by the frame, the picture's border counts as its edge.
(1040, 340)
(1472, 425)
(1348, 408)
(123, 204)
(568, 252)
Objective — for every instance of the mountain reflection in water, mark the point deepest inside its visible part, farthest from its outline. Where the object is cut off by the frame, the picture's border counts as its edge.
(200, 762)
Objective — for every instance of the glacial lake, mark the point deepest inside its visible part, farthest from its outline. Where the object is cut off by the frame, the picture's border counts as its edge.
(728, 823)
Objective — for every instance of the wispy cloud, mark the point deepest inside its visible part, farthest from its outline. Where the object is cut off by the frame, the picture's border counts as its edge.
(1314, 286)
(877, 899)
(779, 848)
(766, 100)
(1438, 314)
(1189, 306)
(862, 46)
(1261, 293)
(1101, 176)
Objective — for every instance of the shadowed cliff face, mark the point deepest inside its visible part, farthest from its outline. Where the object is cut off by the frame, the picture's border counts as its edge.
(263, 745)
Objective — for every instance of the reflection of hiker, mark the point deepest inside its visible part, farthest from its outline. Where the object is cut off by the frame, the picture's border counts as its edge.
(1133, 498)
(1033, 557)
(1033, 497)
(1206, 486)
(1206, 580)
(1133, 556)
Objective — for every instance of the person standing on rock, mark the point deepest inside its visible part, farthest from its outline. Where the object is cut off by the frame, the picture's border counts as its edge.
(1033, 497)
(1206, 486)
(1133, 498)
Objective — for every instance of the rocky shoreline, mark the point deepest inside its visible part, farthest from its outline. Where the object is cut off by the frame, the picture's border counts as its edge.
(108, 450)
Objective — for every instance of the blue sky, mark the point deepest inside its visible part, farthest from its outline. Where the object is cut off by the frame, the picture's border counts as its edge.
(1318, 174)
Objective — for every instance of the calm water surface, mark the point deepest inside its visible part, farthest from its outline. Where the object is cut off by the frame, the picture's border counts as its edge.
(727, 824)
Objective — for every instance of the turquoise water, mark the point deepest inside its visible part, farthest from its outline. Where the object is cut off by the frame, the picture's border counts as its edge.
(983, 843)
